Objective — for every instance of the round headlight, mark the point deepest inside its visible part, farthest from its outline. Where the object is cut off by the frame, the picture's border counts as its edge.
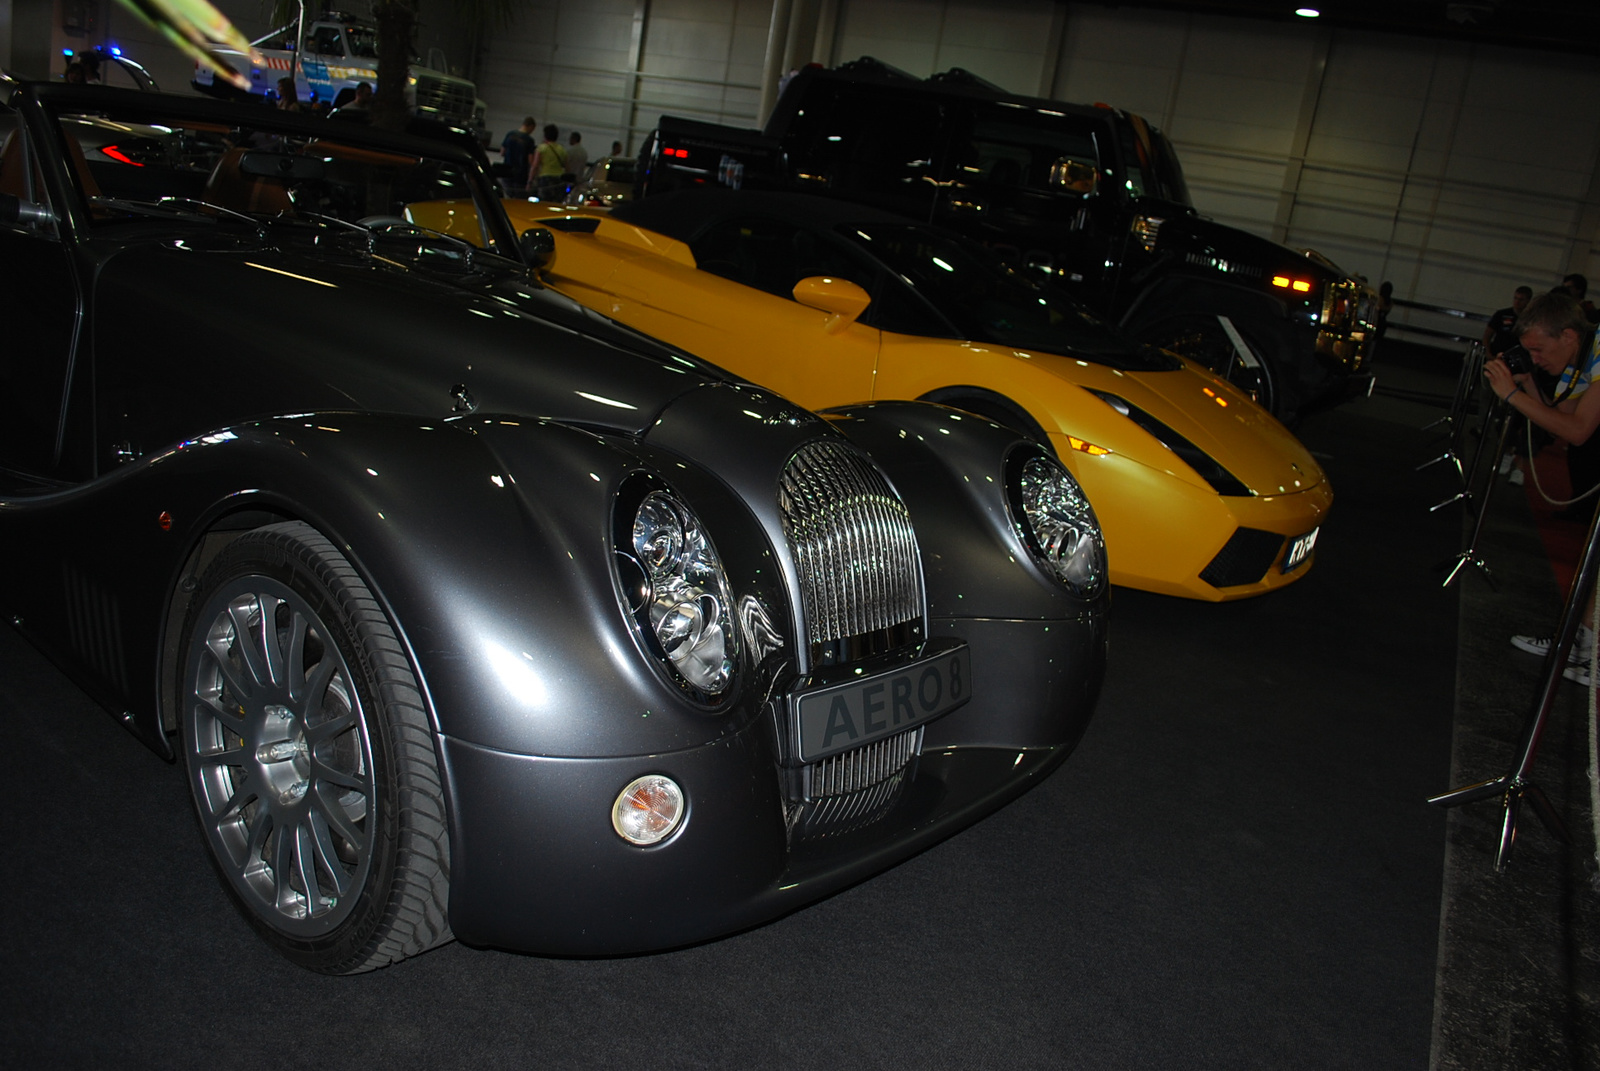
(648, 810)
(686, 607)
(1059, 525)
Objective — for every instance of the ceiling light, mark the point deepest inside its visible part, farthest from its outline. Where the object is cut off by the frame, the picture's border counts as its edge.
(1307, 12)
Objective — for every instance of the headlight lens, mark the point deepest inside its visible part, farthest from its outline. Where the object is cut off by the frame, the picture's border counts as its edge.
(1058, 524)
(686, 606)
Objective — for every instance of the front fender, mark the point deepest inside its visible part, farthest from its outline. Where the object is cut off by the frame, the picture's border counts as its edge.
(1038, 651)
(488, 545)
(949, 466)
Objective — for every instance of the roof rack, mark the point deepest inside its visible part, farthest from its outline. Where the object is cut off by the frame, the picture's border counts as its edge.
(876, 66)
(963, 77)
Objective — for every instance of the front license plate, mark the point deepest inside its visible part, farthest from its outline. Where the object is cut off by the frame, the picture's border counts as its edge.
(1300, 549)
(840, 717)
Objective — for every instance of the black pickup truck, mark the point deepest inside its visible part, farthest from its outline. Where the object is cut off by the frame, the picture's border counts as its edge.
(1093, 196)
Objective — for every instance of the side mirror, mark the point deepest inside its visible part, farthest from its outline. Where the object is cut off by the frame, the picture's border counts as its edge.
(538, 245)
(16, 210)
(1074, 176)
(844, 299)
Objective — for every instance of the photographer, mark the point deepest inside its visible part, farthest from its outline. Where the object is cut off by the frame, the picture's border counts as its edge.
(1558, 339)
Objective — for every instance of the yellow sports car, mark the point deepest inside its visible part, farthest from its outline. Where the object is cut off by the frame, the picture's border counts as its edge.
(1201, 493)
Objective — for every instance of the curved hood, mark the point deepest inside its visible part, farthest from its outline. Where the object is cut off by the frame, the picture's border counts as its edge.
(437, 335)
(1218, 418)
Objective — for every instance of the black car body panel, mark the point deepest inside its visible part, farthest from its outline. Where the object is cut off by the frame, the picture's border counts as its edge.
(180, 375)
(961, 153)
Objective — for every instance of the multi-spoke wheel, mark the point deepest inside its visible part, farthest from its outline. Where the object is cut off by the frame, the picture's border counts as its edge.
(310, 757)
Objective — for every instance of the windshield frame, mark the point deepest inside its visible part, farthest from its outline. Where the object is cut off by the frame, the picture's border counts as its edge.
(974, 271)
(53, 107)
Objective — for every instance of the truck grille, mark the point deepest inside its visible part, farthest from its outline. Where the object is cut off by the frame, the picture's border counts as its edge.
(853, 544)
(436, 97)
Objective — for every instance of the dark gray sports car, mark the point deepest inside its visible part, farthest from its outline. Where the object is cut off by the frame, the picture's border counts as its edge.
(467, 611)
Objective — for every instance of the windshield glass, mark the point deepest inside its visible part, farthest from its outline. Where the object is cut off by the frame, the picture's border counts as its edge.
(619, 170)
(361, 41)
(989, 302)
(1168, 172)
(1153, 168)
(134, 163)
(1019, 147)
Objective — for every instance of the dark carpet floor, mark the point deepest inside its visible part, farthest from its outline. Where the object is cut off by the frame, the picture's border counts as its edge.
(1235, 870)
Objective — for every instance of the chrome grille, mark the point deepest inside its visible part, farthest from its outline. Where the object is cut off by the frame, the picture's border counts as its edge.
(845, 793)
(435, 96)
(839, 775)
(852, 541)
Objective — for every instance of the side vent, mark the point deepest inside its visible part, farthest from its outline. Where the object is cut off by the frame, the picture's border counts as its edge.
(94, 628)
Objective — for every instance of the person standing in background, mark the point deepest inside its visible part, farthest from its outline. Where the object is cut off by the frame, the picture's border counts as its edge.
(1501, 334)
(515, 153)
(549, 163)
(1578, 286)
(577, 155)
(288, 96)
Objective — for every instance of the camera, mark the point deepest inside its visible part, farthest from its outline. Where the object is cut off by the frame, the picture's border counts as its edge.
(1517, 359)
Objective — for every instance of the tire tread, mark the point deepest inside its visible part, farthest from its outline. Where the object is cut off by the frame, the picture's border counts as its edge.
(415, 916)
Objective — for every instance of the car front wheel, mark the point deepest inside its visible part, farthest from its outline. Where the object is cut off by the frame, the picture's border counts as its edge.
(310, 757)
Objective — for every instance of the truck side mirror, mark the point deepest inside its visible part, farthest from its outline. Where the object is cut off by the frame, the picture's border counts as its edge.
(1074, 176)
(17, 210)
(844, 299)
(538, 245)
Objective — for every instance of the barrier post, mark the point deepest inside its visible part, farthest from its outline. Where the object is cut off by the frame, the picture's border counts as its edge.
(1455, 419)
(1516, 785)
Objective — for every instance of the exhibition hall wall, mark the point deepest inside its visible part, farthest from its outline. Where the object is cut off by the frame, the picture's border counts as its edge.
(1456, 171)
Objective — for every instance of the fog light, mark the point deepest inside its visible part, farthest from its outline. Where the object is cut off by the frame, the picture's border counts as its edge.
(648, 810)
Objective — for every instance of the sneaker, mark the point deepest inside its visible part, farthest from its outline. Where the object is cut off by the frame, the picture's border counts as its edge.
(1579, 673)
(1540, 645)
(1506, 463)
(1515, 477)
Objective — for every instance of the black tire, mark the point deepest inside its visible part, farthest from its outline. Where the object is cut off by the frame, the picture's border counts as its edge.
(313, 728)
(1202, 338)
(991, 406)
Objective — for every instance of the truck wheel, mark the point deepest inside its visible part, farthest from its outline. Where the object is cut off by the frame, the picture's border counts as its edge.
(1242, 361)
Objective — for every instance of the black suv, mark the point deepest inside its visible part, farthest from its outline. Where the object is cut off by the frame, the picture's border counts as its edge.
(1092, 195)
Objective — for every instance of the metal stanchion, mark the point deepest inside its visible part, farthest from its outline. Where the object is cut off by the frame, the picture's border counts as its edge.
(1455, 419)
(1502, 412)
(1516, 786)
(1493, 411)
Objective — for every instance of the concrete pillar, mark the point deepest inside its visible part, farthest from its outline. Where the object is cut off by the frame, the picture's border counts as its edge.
(772, 69)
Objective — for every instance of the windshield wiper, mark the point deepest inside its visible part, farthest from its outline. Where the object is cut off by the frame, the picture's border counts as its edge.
(176, 208)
